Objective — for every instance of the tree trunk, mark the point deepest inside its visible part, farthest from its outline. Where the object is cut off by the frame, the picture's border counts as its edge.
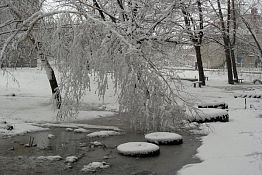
(228, 60)
(200, 65)
(233, 43)
(234, 65)
(196, 38)
(226, 39)
(53, 83)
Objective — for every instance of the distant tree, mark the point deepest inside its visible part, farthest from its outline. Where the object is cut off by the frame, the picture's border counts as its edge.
(225, 23)
(252, 30)
(233, 20)
(195, 28)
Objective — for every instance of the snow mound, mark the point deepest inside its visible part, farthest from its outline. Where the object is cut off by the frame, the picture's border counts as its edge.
(80, 130)
(208, 115)
(93, 166)
(139, 149)
(51, 158)
(104, 133)
(164, 138)
(71, 159)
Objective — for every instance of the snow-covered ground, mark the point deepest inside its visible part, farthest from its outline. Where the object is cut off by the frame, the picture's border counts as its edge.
(232, 148)
(235, 147)
(27, 101)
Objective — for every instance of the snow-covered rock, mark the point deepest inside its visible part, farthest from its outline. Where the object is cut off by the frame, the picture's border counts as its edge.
(71, 159)
(138, 149)
(104, 133)
(30, 145)
(80, 130)
(69, 129)
(50, 136)
(51, 158)
(96, 143)
(164, 138)
(93, 166)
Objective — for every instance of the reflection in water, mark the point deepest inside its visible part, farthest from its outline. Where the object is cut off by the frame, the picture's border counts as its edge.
(41, 139)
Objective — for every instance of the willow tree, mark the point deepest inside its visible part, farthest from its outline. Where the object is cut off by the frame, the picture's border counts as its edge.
(126, 42)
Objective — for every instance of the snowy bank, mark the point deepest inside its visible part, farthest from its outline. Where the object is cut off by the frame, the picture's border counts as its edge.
(26, 101)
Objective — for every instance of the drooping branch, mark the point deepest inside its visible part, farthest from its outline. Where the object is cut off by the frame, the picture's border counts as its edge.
(31, 21)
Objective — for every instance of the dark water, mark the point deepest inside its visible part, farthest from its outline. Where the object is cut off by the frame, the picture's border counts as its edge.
(15, 158)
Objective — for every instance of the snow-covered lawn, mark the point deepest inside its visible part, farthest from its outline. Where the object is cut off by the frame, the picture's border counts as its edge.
(27, 101)
(235, 147)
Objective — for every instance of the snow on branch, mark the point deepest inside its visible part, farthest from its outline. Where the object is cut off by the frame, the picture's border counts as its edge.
(33, 19)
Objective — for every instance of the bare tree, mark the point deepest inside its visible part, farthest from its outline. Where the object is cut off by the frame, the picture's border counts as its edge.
(233, 19)
(227, 27)
(195, 30)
